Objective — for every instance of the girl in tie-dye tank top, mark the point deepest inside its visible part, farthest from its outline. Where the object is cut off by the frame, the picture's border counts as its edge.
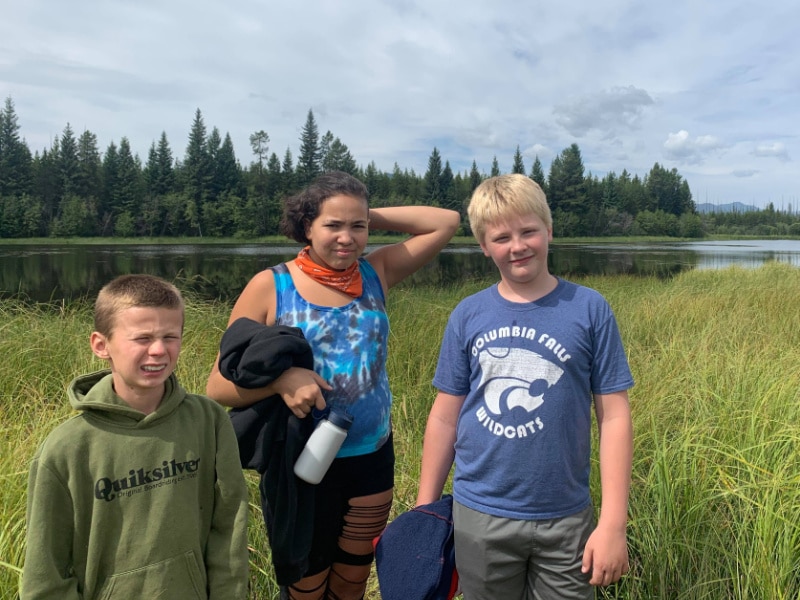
(336, 297)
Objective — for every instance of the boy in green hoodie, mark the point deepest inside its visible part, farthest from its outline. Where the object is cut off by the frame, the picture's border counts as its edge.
(142, 494)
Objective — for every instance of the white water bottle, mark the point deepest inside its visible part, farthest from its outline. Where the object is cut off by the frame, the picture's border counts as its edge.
(322, 446)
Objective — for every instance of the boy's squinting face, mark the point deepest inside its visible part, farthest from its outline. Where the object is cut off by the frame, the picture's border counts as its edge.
(519, 248)
(142, 351)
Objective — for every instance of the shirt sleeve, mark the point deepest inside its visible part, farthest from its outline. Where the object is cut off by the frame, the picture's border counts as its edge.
(452, 370)
(48, 570)
(610, 370)
(226, 552)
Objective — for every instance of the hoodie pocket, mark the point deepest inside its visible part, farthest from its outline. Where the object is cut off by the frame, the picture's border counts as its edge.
(176, 577)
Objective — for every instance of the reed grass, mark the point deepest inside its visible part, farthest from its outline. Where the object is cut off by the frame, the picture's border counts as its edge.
(715, 498)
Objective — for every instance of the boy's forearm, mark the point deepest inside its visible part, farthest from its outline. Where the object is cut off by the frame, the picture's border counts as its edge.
(616, 455)
(436, 464)
(438, 452)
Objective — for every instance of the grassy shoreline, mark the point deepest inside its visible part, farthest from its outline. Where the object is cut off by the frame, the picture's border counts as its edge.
(715, 501)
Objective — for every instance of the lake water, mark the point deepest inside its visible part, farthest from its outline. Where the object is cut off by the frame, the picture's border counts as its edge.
(68, 271)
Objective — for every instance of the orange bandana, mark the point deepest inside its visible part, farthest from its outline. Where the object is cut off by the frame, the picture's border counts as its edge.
(347, 281)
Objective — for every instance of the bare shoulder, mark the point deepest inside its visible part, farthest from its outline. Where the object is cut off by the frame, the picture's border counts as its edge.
(257, 300)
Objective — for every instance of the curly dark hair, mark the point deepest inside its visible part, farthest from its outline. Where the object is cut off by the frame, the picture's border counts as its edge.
(302, 208)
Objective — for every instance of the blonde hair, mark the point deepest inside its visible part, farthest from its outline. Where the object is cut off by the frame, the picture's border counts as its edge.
(129, 291)
(504, 197)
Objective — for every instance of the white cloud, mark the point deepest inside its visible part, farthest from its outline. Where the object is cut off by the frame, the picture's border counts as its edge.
(772, 150)
(535, 150)
(613, 112)
(682, 148)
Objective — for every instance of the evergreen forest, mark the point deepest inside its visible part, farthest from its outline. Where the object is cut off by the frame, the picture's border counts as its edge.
(73, 189)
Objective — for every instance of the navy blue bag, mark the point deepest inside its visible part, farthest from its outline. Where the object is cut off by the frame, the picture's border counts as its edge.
(415, 555)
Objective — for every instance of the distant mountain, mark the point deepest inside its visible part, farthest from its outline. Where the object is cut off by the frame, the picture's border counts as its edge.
(707, 207)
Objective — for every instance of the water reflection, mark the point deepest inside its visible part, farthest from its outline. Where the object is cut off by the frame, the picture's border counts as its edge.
(56, 272)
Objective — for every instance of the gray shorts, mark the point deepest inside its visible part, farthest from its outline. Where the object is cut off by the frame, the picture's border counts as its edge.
(511, 559)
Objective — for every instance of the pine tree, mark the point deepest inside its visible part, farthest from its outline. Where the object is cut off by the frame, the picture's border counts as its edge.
(339, 158)
(16, 164)
(273, 187)
(89, 179)
(537, 173)
(127, 190)
(288, 183)
(567, 193)
(227, 175)
(325, 149)
(667, 191)
(197, 165)
(475, 177)
(447, 188)
(495, 167)
(399, 184)
(47, 181)
(433, 179)
(68, 162)
(519, 165)
(110, 201)
(610, 192)
(213, 144)
(160, 170)
(308, 163)
(75, 216)
(373, 183)
(196, 174)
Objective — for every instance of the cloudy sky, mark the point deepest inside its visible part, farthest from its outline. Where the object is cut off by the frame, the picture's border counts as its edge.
(709, 88)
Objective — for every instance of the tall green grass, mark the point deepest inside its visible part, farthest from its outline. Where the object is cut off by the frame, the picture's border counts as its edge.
(715, 498)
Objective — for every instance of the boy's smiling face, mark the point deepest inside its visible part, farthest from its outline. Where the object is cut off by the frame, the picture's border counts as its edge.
(142, 352)
(519, 248)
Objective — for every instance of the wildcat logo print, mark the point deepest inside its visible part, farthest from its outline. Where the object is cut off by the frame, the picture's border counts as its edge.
(503, 388)
(500, 369)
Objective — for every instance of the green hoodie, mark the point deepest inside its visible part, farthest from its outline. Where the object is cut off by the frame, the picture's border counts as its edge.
(127, 505)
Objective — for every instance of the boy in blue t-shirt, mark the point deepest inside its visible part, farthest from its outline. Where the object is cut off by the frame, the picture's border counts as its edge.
(519, 367)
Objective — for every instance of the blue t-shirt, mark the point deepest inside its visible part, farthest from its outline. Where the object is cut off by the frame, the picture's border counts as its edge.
(528, 371)
(349, 344)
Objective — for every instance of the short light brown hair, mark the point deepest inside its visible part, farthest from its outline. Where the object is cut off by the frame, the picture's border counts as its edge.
(129, 291)
(503, 198)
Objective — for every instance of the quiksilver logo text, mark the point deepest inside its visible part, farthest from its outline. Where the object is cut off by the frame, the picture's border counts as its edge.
(108, 489)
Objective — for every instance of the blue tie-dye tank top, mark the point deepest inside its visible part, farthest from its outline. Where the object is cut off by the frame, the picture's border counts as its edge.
(349, 345)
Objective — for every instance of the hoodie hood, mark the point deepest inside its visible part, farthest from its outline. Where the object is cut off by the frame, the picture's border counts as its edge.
(94, 395)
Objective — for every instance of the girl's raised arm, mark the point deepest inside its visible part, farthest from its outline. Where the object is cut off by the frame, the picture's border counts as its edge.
(430, 229)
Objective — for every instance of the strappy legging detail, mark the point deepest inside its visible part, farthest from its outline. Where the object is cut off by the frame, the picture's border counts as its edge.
(364, 520)
(293, 592)
(332, 595)
(361, 524)
(320, 592)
